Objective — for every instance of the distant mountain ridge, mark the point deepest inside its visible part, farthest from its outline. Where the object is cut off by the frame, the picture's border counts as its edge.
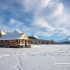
(66, 40)
(35, 36)
(17, 31)
(2, 33)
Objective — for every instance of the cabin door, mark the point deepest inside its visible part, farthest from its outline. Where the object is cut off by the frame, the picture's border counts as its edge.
(24, 42)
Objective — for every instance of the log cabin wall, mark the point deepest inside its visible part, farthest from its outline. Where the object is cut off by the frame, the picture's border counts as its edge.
(26, 42)
(18, 42)
(9, 42)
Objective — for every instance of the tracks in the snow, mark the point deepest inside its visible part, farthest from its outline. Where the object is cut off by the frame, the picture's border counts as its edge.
(19, 63)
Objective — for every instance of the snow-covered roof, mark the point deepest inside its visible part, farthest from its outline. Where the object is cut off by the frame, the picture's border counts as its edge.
(11, 36)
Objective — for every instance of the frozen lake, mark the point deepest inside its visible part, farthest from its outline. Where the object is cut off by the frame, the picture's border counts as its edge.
(39, 57)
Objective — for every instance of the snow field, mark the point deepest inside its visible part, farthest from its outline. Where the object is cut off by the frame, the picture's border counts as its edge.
(42, 57)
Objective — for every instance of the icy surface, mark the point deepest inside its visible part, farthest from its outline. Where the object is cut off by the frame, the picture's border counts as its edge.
(42, 57)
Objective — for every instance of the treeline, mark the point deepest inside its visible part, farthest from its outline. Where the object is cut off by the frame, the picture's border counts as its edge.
(40, 41)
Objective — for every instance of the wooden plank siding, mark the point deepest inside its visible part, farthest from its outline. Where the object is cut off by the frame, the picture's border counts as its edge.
(18, 42)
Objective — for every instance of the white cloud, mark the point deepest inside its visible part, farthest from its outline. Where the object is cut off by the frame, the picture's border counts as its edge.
(57, 9)
(43, 24)
(12, 21)
(44, 17)
(4, 28)
(43, 34)
(29, 5)
(54, 18)
(43, 3)
(26, 29)
(64, 31)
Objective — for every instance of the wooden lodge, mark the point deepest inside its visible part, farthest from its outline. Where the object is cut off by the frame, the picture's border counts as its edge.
(15, 40)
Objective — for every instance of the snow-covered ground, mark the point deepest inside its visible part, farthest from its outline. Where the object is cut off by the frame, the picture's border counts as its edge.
(39, 57)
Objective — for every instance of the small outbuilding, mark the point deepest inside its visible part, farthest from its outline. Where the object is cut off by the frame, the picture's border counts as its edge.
(15, 40)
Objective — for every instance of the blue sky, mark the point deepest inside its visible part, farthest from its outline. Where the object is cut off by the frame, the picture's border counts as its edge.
(48, 19)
